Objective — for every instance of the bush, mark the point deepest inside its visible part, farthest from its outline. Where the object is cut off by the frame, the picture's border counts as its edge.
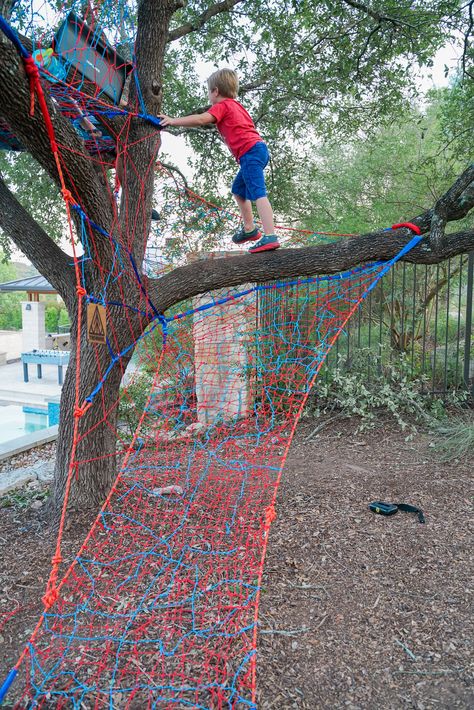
(10, 311)
(392, 390)
(133, 399)
(63, 319)
(52, 318)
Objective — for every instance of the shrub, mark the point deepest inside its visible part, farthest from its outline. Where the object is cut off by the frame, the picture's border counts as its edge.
(52, 317)
(392, 390)
(455, 437)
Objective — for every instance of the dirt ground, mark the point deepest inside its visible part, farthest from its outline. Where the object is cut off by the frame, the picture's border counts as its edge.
(358, 610)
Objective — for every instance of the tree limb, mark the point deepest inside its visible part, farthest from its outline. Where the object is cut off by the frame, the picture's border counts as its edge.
(202, 276)
(377, 15)
(85, 184)
(173, 169)
(441, 208)
(201, 19)
(35, 244)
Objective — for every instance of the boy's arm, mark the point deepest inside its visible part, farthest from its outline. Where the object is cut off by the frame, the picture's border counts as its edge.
(193, 121)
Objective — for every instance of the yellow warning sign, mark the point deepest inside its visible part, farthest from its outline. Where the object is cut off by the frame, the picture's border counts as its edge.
(96, 324)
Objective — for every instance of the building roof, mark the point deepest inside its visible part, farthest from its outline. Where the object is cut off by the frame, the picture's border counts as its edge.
(33, 284)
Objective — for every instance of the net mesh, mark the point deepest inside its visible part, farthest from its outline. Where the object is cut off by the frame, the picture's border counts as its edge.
(160, 607)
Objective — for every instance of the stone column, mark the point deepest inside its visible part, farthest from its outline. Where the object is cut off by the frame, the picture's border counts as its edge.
(33, 325)
(223, 338)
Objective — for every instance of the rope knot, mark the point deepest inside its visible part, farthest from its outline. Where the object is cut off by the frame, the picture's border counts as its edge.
(50, 597)
(56, 559)
(81, 291)
(270, 515)
(78, 412)
(31, 68)
(67, 195)
(32, 72)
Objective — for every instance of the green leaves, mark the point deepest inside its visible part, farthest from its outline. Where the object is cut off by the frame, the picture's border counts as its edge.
(310, 73)
(35, 190)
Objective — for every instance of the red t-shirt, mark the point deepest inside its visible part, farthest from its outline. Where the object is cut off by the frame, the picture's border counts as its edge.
(235, 126)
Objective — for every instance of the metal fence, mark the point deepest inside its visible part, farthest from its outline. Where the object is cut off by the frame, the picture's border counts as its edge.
(417, 315)
(423, 312)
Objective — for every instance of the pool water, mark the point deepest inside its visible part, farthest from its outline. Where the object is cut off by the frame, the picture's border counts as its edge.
(15, 422)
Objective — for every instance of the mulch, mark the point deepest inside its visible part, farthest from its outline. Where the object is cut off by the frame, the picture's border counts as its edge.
(358, 610)
(362, 610)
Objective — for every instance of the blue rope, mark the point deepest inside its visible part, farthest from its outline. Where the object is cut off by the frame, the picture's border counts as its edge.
(9, 32)
(6, 685)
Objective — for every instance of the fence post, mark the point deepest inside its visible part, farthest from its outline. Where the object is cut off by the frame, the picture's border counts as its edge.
(467, 336)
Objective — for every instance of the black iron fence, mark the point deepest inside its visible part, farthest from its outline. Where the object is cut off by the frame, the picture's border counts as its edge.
(419, 315)
(423, 312)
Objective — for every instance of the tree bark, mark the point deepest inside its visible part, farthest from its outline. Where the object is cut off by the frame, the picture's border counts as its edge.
(96, 439)
(36, 245)
(200, 277)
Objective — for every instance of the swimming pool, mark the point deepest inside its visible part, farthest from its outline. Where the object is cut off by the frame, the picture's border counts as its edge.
(17, 420)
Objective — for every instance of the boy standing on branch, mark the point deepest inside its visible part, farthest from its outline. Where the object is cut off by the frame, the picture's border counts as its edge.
(246, 145)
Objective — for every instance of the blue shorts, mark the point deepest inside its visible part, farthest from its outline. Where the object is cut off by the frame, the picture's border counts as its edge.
(249, 182)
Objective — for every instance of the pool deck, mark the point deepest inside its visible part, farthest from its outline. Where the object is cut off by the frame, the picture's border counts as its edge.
(13, 390)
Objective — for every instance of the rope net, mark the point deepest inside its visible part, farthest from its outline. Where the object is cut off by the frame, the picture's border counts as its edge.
(159, 609)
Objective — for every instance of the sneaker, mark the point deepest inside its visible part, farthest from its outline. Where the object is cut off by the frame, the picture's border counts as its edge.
(266, 243)
(242, 236)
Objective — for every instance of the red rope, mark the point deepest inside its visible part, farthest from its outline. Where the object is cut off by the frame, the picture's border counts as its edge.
(409, 225)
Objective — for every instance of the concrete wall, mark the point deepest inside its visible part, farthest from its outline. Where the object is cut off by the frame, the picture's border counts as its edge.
(223, 345)
(33, 325)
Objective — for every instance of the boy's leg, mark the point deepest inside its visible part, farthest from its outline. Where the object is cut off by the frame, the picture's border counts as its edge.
(269, 241)
(249, 232)
(252, 165)
(245, 207)
(265, 213)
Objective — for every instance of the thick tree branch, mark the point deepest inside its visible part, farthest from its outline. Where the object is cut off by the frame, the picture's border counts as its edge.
(201, 19)
(188, 281)
(35, 244)
(153, 21)
(443, 205)
(202, 276)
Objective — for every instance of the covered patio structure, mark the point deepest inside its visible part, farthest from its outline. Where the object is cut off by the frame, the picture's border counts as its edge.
(34, 336)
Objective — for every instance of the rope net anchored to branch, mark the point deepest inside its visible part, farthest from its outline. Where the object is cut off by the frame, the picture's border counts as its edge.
(159, 609)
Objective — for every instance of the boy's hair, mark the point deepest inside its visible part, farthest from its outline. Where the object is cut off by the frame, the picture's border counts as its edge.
(225, 81)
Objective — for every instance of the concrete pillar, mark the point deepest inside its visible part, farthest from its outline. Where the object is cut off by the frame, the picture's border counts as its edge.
(223, 338)
(33, 325)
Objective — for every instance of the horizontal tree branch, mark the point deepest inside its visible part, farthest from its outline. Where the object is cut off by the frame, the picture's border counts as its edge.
(35, 244)
(201, 19)
(202, 276)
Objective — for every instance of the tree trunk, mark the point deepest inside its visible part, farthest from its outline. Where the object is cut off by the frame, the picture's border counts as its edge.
(86, 446)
